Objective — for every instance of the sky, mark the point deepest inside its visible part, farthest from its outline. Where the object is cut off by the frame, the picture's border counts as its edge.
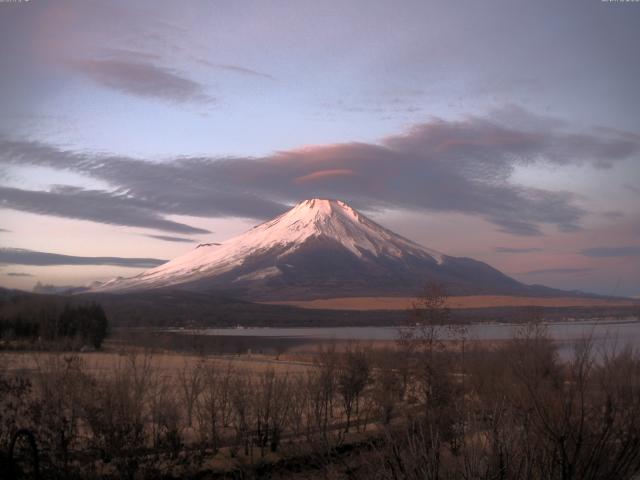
(506, 131)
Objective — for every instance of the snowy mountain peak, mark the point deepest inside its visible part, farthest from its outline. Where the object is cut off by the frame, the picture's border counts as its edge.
(316, 216)
(322, 208)
(330, 223)
(335, 220)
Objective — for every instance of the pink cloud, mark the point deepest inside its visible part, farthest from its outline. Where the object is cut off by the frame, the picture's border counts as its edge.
(323, 174)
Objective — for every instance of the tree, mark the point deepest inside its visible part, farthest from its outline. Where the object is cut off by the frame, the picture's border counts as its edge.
(191, 381)
(387, 391)
(353, 376)
(97, 326)
(430, 314)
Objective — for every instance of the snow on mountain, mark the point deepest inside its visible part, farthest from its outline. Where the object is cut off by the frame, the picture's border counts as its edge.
(320, 249)
(310, 220)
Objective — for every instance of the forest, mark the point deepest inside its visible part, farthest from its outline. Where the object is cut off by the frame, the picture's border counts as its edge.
(78, 326)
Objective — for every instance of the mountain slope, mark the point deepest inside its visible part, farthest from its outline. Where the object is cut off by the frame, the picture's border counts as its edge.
(317, 249)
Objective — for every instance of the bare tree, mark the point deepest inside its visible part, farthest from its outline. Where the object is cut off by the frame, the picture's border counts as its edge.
(241, 393)
(214, 403)
(353, 376)
(322, 384)
(430, 315)
(55, 407)
(115, 413)
(165, 422)
(387, 392)
(190, 380)
(298, 403)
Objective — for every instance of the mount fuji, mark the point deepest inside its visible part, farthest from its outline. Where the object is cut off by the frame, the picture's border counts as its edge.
(319, 249)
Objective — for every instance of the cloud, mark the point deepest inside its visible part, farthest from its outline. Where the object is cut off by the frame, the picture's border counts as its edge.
(167, 238)
(114, 208)
(132, 55)
(559, 271)
(44, 288)
(632, 188)
(323, 174)
(4, 230)
(18, 274)
(517, 250)
(143, 190)
(142, 79)
(462, 166)
(19, 256)
(597, 252)
(613, 214)
(234, 69)
(516, 227)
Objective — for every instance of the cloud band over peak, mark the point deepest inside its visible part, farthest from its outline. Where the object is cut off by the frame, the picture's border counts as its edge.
(462, 166)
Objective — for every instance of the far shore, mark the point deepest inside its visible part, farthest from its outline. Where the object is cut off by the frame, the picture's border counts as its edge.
(458, 302)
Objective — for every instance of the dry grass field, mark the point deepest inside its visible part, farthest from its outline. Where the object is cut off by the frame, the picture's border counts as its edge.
(471, 301)
(318, 411)
(168, 364)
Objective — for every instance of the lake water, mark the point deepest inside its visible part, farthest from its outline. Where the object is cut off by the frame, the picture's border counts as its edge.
(625, 331)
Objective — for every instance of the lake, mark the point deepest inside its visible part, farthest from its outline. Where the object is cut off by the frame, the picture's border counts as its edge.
(627, 330)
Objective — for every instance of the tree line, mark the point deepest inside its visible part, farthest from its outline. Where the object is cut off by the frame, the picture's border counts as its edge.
(84, 324)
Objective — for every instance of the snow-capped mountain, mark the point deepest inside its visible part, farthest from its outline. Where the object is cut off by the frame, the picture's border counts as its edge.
(319, 248)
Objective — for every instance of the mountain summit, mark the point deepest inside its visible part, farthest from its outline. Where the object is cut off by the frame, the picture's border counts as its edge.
(319, 248)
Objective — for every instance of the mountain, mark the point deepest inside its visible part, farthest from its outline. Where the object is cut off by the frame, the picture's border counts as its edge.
(321, 248)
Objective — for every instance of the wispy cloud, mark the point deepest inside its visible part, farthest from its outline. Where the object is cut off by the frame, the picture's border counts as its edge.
(324, 174)
(234, 69)
(18, 256)
(168, 238)
(460, 166)
(613, 214)
(141, 78)
(632, 188)
(18, 274)
(131, 55)
(101, 206)
(559, 271)
(49, 289)
(517, 250)
(518, 227)
(625, 251)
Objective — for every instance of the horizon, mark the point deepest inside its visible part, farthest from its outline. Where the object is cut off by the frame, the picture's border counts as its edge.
(504, 132)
